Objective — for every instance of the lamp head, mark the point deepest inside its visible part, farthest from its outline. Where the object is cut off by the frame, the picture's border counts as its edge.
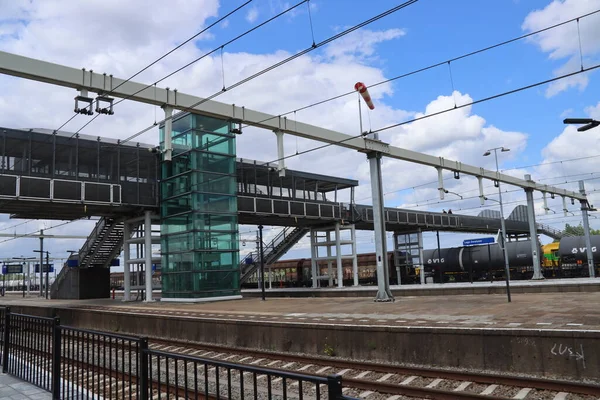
(487, 153)
(504, 149)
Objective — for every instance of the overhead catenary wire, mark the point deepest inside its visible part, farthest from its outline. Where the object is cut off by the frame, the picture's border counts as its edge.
(438, 64)
(19, 236)
(282, 62)
(159, 59)
(145, 68)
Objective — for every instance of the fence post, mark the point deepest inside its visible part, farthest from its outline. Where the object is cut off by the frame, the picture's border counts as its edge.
(143, 368)
(334, 387)
(56, 351)
(5, 337)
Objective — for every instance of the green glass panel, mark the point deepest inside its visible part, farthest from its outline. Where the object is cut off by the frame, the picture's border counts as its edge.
(199, 232)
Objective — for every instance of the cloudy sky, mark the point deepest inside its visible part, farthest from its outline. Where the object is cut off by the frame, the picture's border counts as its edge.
(120, 38)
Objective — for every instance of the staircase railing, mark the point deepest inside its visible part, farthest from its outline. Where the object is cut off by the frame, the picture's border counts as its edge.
(59, 278)
(556, 233)
(85, 249)
(280, 238)
(271, 250)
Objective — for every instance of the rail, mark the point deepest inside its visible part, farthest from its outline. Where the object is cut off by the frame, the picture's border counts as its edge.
(80, 363)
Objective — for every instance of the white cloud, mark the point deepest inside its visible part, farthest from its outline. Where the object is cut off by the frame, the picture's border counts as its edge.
(563, 42)
(361, 43)
(460, 135)
(225, 24)
(252, 15)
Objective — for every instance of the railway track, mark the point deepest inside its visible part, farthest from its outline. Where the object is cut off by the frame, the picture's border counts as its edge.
(370, 381)
(375, 381)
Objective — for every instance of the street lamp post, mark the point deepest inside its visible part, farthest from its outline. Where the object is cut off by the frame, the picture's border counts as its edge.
(503, 225)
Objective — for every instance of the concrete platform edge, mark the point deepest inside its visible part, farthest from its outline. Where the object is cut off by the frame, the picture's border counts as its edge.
(563, 354)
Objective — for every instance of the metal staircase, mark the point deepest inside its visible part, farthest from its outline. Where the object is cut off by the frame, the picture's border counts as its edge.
(273, 251)
(104, 243)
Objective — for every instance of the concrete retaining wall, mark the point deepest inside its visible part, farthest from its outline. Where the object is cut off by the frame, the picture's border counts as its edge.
(571, 355)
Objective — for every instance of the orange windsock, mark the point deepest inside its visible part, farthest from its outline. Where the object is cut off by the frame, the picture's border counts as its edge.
(362, 89)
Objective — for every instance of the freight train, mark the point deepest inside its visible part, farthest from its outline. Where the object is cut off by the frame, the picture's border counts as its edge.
(566, 258)
(297, 273)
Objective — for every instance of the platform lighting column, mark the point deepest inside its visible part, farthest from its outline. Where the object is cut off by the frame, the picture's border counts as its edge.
(126, 265)
(338, 254)
(586, 231)
(262, 261)
(41, 261)
(148, 253)
(47, 273)
(503, 225)
(537, 271)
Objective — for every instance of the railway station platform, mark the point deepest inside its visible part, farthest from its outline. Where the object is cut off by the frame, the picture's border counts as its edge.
(538, 334)
(439, 289)
(14, 388)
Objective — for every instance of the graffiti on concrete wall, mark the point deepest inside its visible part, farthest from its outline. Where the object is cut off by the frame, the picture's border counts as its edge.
(566, 351)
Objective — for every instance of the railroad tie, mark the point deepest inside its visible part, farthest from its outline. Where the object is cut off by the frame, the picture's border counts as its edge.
(307, 366)
(322, 370)
(522, 393)
(361, 375)
(342, 372)
(256, 361)
(229, 357)
(489, 390)
(394, 397)
(408, 380)
(365, 394)
(385, 377)
(272, 363)
(434, 383)
(288, 365)
(462, 386)
(244, 359)
(561, 396)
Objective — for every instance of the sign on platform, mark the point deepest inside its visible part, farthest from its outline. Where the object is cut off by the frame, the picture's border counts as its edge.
(12, 269)
(471, 242)
(45, 268)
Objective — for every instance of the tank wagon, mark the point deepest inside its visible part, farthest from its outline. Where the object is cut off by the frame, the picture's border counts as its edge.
(479, 262)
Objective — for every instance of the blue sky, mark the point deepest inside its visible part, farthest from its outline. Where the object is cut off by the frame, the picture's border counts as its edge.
(430, 31)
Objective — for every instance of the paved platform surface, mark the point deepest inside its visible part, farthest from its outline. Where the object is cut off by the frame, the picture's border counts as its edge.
(15, 389)
(435, 289)
(554, 311)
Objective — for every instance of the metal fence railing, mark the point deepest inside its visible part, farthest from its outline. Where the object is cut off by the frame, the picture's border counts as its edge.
(74, 363)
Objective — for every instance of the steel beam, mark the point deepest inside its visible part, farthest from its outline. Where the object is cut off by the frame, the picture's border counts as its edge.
(81, 79)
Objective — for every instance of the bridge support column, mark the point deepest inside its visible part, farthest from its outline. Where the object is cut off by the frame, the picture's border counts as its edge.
(383, 282)
(354, 258)
(329, 260)
(126, 266)
(148, 253)
(586, 231)
(313, 258)
(537, 271)
(338, 254)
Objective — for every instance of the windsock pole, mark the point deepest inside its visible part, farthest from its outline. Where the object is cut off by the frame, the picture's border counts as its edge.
(362, 90)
